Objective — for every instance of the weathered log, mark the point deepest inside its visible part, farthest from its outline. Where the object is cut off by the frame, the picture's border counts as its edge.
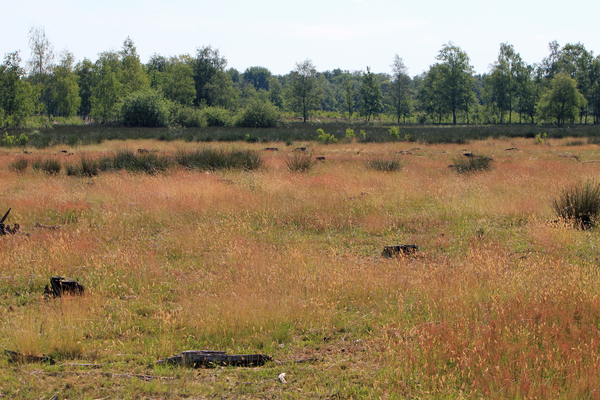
(51, 227)
(60, 285)
(404, 249)
(208, 359)
(28, 358)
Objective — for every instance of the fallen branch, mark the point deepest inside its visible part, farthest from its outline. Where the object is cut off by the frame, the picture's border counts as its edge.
(17, 357)
(208, 359)
(52, 228)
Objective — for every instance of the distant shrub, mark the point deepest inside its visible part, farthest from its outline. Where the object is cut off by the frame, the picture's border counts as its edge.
(12, 141)
(325, 137)
(395, 132)
(579, 204)
(146, 108)
(350, 133)
(189, 117)
(472, 164)
(259, 114)
(300, 162)
(575, 143)
(50, 165)
(216, 116)
(385, 165)
(20, 165)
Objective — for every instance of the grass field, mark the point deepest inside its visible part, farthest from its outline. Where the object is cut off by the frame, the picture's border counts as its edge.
(501, 301)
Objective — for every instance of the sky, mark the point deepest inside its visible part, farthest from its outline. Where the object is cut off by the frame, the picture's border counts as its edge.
(277, 34)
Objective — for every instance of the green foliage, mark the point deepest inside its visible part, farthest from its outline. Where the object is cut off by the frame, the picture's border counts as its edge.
(540, 137)
(178, 82)
(562, 101)
(384, 165)
(259, 114)
(216, 116)
(14, 141)
(371, 96)
(395, 132)
(124, 159)
(208, 63)
(146, 108)
(17, 95)
(304, 91)
(106, 90)
(48, 165)
(350, 133)
(189, 117)
(467, 165)
(300, 162)
(212, 160)
(400, 96)
(325, 138)
(579, 204)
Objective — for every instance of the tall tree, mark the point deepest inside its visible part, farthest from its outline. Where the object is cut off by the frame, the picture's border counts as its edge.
(131, 73)
(17, 96)
(85, 74)
(42, 53)
(207, 64)
(400, 89)
(257, 77)
(502, 82)
(304, 92)
(178, 81)
(64, 87)
(370, 95)
(41, 63)
(431, 94)
(562, 101)
(456, 75)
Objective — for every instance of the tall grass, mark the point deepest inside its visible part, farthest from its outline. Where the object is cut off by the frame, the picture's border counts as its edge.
(497, 304)
(300, 162)
(209, 159)
(384, 164)
(579, 204)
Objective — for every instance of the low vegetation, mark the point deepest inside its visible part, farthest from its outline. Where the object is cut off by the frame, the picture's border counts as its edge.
(500, 301)
(384, 164)
(579, 204)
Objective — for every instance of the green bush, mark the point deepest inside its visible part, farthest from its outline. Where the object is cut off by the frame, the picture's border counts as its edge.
(12, 141)
(189, 117)
(350, 133)
(325, 137)
(395, 132)
(259, 114)
(579, 204)
(216, 116)
(385, 165)
(472, 164)
(300, 162)
(147, 108)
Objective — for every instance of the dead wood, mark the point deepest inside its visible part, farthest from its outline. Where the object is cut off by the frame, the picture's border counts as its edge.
(399, 250)
(60, 285)
(208, 359)
(52, 228)
(17, 357)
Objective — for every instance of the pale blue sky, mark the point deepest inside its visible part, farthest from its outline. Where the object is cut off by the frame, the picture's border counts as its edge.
(346, 34)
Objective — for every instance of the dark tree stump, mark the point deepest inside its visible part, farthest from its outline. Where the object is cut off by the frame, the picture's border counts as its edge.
(60, 285)
(397, 250)
(209, 359)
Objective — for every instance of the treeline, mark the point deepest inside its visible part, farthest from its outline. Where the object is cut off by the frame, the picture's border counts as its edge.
(199, 90)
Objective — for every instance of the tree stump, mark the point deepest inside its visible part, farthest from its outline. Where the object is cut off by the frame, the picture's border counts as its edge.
(60, 285)
(397, 250)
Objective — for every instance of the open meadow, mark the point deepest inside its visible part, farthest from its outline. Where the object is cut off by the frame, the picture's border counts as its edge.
(501, 300)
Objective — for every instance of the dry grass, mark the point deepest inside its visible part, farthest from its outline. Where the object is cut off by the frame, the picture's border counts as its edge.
(500, 303)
